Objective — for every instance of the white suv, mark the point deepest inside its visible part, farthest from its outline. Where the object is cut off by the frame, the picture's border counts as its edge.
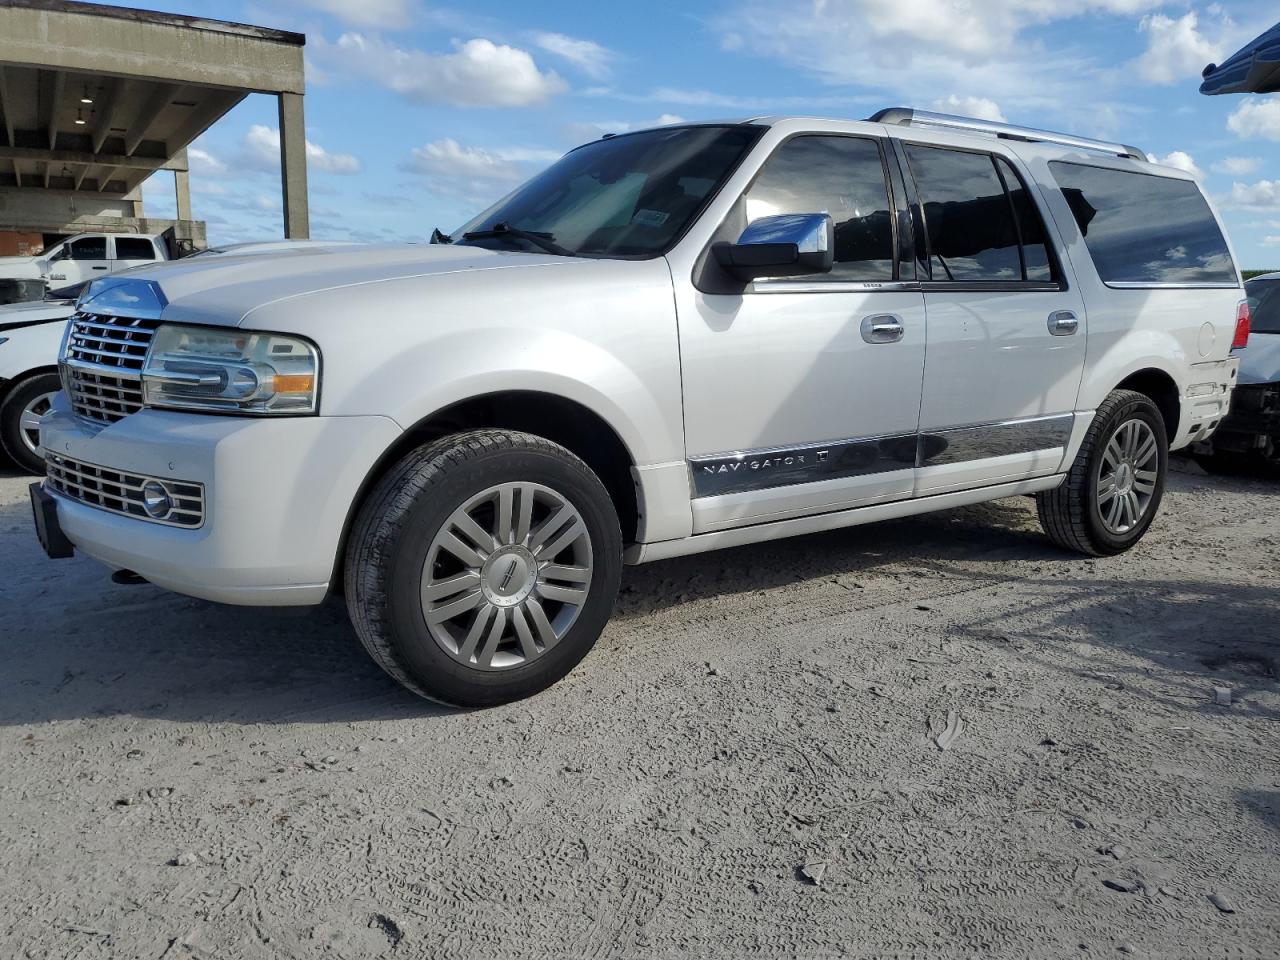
(671, 341)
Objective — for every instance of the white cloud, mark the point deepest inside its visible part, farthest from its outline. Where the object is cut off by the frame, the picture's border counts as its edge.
(262, 146)
(374, 14)
(1178, 50)
(916, 48)
(1181, 160)
(1238, 166)
(587, 55)
(448, 158)
(978, 107)
(1256, 118)
(202, 161)
(1271, 241)
(1265, 194)
(478, 73)
(594, 129)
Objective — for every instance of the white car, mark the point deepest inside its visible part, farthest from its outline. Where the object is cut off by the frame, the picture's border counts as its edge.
(671, 341)
(30, 337)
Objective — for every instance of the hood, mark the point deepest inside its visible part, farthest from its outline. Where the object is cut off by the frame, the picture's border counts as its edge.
(20, 268)
(221, 290)
(34, 312)
(1260, 360)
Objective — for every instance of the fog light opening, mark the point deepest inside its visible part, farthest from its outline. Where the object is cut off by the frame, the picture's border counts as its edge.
(156, 500)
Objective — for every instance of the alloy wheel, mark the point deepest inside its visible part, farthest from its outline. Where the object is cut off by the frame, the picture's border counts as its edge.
(506, 576)
(1127, 476)
(29, 421)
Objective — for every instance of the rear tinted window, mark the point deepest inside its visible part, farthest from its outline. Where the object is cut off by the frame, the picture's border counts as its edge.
(1145, 229)
(134, 248)
(1264, 305)
(969, 215)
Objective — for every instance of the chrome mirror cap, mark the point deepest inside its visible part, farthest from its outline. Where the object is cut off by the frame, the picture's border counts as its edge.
(810, 232)
(788, 245)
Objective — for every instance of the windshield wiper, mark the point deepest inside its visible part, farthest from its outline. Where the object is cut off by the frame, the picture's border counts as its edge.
(501, 230)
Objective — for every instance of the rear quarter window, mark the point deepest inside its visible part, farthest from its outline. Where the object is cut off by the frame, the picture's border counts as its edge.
(1146, 230)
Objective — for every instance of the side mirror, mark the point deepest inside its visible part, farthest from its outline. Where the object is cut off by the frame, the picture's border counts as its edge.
(788, 245)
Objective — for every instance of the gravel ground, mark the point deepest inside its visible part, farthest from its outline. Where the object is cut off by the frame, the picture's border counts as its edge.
(747, 764)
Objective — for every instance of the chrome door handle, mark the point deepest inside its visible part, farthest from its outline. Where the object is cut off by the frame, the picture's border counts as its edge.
(882, 328)
(1063, 323)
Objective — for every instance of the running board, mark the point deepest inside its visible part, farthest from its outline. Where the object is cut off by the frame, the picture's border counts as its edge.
(740, 536)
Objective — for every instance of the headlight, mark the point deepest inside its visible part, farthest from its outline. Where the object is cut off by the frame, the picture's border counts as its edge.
(231, 371)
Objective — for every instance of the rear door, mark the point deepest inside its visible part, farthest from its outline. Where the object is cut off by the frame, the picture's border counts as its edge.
(793, 404)
(1006, 326)
(132, 252)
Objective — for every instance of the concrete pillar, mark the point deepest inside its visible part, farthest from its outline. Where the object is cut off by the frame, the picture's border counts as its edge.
(134, 197)
(293, 167)
(182, 185)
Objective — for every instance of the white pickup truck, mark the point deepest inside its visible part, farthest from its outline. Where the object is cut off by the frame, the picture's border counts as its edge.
(84, 257)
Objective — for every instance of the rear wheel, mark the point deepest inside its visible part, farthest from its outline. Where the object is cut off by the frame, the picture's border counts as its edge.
(483, 567)
(1114, 488)
(20, 415)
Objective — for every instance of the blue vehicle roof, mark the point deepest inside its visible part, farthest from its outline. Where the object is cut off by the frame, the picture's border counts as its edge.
(1255, 68)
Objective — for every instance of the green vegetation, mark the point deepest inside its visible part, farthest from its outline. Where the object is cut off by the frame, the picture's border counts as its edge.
(1250, 274)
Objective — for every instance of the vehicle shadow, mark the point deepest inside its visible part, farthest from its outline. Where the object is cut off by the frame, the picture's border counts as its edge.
(77, 645)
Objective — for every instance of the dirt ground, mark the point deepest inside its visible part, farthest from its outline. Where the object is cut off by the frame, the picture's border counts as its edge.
(746, 765)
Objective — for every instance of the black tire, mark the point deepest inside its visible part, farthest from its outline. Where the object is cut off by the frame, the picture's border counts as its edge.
(1070, 513)
(390, 543)
(11, 434)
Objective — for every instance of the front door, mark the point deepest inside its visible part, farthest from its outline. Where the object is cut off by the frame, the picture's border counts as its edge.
(82, 259)
(802, 396)
(1006, 331)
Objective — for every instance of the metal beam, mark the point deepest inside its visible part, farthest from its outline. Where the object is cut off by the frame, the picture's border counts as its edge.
(76, 157)
(148, 116)
(113, 90)
(6, 106)
(51, 109)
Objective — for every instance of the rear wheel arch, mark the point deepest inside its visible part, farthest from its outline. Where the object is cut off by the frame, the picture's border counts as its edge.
(1162, 390)
(565, 422)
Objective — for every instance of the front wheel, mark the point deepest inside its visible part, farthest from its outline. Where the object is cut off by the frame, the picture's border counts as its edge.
(483, 567)
(1115, 486)
(20, 415)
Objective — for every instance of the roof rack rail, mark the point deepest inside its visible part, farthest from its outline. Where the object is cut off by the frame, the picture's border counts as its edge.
(907, 117)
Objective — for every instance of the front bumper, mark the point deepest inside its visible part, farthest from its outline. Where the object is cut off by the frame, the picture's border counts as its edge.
(277, 496)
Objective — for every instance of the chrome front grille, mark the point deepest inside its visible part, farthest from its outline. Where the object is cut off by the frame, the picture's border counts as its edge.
(103, 364)
(118, 492)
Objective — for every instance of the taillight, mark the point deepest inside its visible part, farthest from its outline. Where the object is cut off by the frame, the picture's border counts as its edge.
(1242, 326)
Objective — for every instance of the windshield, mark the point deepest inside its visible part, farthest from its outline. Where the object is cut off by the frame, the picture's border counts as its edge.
(627, 196)
(1264, 305)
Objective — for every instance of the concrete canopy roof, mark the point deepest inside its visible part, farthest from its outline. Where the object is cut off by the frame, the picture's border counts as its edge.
(156, 81)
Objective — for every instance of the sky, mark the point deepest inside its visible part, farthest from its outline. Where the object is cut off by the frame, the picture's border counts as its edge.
(420, 113)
